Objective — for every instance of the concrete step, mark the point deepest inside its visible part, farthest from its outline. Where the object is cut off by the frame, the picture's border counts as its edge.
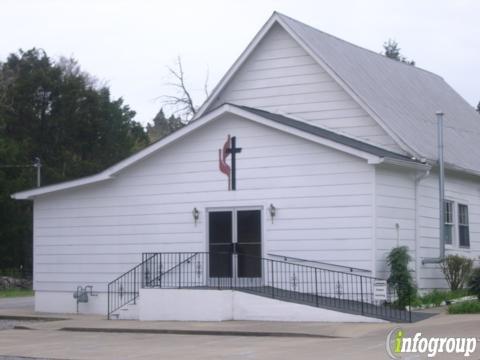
(128, 312)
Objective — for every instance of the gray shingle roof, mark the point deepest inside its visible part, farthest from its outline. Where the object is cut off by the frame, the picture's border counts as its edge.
(327, 134)
(404, 97)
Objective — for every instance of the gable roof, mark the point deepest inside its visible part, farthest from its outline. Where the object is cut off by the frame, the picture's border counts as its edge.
(402, 98)
(372, 154)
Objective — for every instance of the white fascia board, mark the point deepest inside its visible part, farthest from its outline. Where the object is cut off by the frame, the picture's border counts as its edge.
(402, 163)
(275, 18)
(304, 135)
(167, 140)
(29, 194)
(143, 154)
(110, 172)
(236, 65)
(455, 168)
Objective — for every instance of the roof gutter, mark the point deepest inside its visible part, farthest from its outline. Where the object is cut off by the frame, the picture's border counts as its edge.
(412, 164)
(441, 191)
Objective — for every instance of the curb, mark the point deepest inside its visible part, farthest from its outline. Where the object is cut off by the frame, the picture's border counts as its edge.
(198, 332)
(30, 318)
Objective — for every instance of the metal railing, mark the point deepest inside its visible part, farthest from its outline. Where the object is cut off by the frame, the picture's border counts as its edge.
(315, 286)
(320, 264)
(125, 289)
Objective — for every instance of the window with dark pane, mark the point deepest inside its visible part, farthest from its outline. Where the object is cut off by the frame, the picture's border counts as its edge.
(463, 226)
(448, 222)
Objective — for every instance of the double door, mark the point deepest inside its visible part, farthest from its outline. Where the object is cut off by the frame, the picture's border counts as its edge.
(235, 244)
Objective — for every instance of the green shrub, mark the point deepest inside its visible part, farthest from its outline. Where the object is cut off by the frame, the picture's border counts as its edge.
(474, 282)
(400, 278)
(456, 269)
(466, 307)
(436, 297)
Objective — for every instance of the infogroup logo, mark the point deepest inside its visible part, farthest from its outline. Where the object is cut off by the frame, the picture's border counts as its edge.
(397, 344)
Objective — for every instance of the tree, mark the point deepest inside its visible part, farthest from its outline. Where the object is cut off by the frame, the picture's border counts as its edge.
(478, 107)
(400, 278)
(163, 126)
(54, 111)
(182, 101)
(392, 51)
(456, 269)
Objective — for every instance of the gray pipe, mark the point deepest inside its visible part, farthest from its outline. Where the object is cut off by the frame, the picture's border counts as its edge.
(441, 192)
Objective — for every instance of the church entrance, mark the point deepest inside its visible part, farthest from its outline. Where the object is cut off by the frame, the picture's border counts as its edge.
(235, 246)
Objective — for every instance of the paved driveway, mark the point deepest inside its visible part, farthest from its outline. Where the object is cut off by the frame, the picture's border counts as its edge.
(26, 302)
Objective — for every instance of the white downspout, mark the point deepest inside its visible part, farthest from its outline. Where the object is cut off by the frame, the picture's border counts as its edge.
(418, 261)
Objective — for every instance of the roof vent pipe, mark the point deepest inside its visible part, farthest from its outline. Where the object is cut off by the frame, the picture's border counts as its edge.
(441, 191)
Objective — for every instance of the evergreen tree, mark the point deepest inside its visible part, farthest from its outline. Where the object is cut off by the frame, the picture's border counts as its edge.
(392, 51)
(478, 107)
(163, 126)
(54, 111)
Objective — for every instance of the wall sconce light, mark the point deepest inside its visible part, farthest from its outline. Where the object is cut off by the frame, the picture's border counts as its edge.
(196, 215)
(273, 211)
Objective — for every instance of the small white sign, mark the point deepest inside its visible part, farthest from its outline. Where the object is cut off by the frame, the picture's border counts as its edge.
(380, 290)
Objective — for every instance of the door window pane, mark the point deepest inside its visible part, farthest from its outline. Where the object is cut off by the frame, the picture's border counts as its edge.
(249, 237)
(220, 243)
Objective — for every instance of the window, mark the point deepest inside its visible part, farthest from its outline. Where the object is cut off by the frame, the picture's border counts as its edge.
(448, 222)
(463, 228)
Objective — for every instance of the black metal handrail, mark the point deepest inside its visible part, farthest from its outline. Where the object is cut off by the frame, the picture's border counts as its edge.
(150, 281)
(315, 286)
(321, 263)
(125, 288)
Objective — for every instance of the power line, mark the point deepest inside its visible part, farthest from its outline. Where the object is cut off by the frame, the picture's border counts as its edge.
(37, 164)
(17, 166)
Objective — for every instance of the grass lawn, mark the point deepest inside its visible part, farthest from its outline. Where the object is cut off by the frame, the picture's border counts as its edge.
(15, 293)
(467, 307)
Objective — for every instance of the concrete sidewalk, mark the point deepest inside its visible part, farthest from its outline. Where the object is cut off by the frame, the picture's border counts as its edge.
(94, 337)
(98, 323)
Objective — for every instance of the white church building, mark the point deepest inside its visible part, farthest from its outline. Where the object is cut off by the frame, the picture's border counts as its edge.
(311, 159)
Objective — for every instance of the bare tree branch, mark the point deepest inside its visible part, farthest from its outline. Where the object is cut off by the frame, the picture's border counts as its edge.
(205, 85)
(183, 101)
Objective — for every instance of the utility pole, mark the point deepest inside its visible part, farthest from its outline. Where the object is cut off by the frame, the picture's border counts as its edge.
(38, 165)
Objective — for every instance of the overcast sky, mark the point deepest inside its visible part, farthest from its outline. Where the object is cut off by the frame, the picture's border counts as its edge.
(129, 43)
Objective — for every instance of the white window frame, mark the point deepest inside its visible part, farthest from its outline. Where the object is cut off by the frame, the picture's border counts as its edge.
(452, 223)
(466, 225)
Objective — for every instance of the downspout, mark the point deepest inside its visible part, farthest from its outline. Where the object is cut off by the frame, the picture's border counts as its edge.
(441, 190)
(418, 262)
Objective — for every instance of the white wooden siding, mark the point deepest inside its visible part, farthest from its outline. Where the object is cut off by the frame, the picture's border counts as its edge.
(395, 204)
(280, 76)
(460, 189)
(91, 235)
